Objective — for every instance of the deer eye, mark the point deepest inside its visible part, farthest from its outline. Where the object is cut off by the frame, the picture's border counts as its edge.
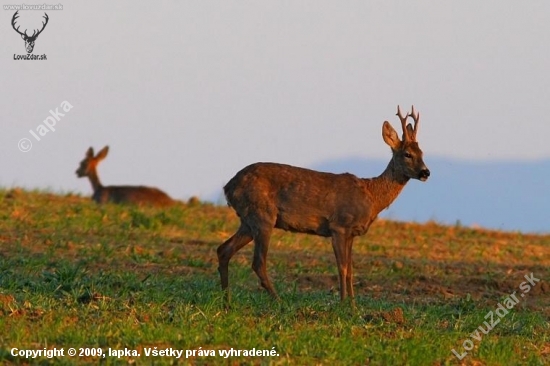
(408, 156)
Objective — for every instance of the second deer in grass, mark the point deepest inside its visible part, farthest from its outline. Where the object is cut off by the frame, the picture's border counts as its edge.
(339, 206)
(138, 195)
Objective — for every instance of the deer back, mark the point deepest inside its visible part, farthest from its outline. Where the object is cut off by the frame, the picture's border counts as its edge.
(132, 194)
(300, 200)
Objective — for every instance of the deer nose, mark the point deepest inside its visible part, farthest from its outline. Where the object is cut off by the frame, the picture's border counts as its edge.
(424, 174)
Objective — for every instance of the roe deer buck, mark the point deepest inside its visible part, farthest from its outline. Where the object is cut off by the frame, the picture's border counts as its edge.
(340, 206)
(139, 195)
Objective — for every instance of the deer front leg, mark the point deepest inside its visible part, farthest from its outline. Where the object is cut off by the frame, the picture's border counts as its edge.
(340, 252)
(349, 272)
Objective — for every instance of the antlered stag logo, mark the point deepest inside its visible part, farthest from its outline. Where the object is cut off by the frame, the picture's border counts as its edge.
(29, 40)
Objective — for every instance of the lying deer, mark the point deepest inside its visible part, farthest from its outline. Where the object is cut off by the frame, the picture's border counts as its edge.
(339, 206)
(139, 195)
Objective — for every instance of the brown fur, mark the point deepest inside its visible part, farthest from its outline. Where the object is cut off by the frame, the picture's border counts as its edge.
(340, 206)
(139, 195)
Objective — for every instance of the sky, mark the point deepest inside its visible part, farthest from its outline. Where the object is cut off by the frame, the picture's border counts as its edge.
(187, 93)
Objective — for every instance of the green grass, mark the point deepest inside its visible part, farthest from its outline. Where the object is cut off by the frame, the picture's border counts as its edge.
(75, 274)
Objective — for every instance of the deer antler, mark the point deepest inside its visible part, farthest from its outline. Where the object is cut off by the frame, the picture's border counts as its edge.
(13, 19)
(409, 132)
(43, 26)
(403, 123)
(416, 118)
(34, 34)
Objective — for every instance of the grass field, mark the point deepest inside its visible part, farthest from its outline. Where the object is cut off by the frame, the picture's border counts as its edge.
(75, 274)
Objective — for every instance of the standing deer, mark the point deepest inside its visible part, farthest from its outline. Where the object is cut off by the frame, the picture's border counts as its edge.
(339, 206)
(139, 195)
(29, 40)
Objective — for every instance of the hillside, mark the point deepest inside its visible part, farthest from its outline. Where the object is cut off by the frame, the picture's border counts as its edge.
(74, 274)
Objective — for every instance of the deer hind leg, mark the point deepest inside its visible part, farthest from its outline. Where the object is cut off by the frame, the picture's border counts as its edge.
(259, 264)
(228, 249)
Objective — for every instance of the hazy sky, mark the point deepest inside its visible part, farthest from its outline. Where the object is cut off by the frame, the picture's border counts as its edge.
(187, 93)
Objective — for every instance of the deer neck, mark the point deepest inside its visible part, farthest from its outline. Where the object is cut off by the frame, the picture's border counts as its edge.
(386, 187)
(94, 179)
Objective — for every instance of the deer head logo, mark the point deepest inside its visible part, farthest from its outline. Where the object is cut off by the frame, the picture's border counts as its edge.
(29, 40)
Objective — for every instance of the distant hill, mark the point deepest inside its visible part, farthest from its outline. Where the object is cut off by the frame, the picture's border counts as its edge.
(499, 195)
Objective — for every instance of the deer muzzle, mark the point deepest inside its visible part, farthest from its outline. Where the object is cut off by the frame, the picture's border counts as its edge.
(424, 174)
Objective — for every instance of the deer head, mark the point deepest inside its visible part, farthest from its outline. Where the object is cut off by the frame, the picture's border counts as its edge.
(407, 155)
(88, 165)
(29, 40)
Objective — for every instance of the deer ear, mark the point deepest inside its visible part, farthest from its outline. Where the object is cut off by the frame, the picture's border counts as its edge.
(390, 136)
(103, 153)
(90, 153)
(23, 36)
